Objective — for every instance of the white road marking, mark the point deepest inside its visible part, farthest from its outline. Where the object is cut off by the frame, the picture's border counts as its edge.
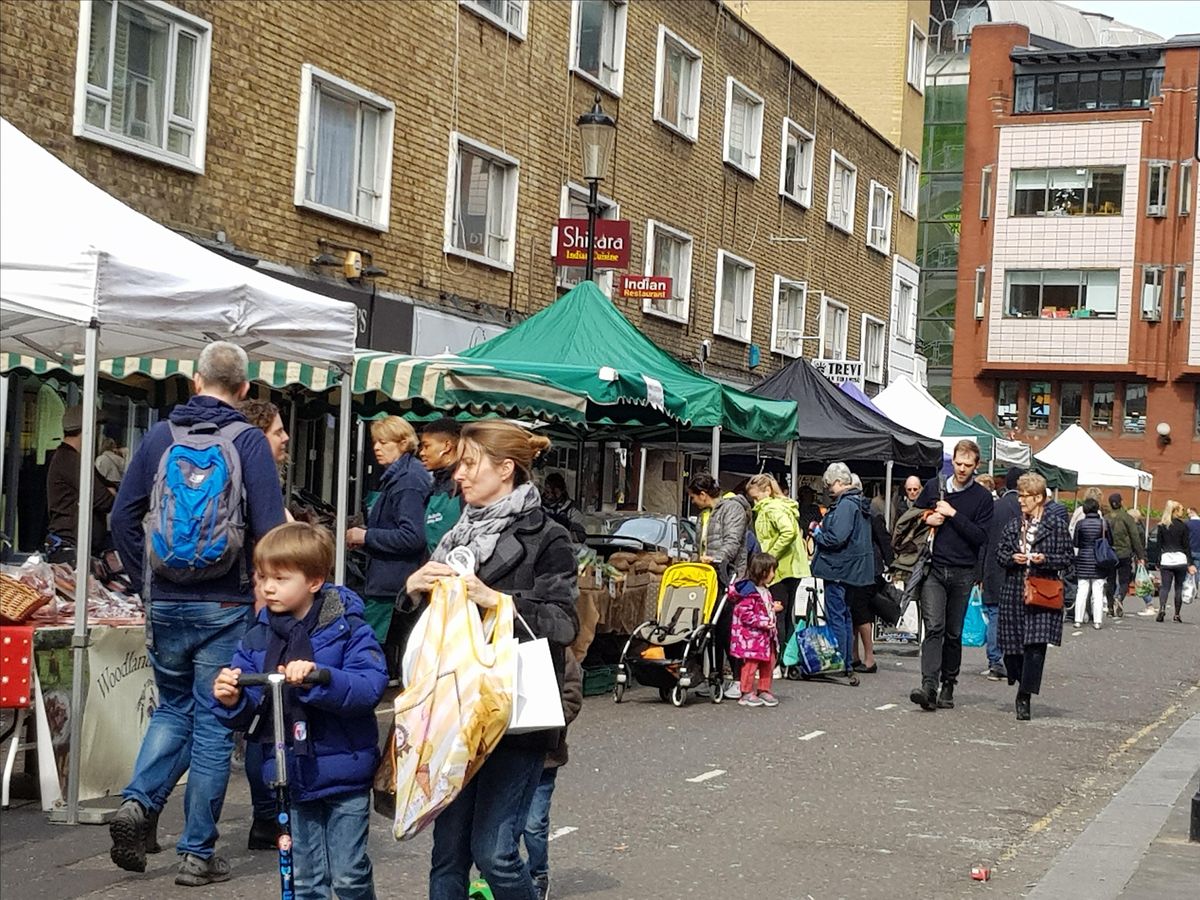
(561, 832)
(715, 773)
(811, 735)
(1076, 633)
(886, 706)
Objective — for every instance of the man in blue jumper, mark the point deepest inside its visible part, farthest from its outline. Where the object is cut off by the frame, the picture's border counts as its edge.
(961, 516)
(192, 630)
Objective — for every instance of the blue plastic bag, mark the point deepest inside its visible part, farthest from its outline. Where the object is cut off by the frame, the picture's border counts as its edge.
(815, 650)
(974, 633)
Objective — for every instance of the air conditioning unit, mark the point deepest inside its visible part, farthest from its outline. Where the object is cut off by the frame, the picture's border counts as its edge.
(1194, 468)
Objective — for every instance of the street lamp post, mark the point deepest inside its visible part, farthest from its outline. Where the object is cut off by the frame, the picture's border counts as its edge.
(597, 131)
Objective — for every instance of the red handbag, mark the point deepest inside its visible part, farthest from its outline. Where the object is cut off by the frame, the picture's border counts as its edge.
(1043, 593)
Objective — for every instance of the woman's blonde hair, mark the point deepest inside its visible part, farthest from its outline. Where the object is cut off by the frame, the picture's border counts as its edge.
(1172, 511)
(767, 483)
(1093, 493)
(397, 430)
(499, 441)
(1032, 483)
(295, 547)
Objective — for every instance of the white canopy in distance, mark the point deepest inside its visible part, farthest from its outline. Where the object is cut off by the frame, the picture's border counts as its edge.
(1075, 451)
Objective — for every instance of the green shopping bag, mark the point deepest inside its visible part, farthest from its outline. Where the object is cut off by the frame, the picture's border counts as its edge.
(479, 890)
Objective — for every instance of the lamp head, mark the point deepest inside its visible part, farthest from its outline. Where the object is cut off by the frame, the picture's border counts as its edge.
(597, 132)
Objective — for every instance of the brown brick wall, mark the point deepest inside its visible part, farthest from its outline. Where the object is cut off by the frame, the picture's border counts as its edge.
(447, 69)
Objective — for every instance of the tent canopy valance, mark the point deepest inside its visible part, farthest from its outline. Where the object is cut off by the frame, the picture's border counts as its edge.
(1075, 450)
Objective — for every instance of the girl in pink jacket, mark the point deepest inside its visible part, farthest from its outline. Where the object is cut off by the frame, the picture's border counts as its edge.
(753, 638)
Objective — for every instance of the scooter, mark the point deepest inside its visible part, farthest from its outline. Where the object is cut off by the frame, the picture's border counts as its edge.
(275, 681)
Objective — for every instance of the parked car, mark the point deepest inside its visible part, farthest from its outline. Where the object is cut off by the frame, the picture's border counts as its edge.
(643, 531)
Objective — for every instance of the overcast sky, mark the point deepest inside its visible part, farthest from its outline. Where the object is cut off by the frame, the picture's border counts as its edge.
(1165, 17)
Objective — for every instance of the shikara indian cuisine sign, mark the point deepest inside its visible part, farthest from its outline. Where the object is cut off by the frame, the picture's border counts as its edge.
(645, 287)
(840, 370)
(612, 243)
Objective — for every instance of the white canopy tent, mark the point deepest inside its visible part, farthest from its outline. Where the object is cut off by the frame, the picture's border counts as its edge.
(83, 276)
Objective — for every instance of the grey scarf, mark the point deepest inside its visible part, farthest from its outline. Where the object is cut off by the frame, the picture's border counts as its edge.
(479, 528)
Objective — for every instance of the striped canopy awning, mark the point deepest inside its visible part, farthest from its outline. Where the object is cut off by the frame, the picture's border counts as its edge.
(272, 373)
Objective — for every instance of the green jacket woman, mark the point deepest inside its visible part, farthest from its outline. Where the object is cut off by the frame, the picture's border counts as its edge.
(777, 527)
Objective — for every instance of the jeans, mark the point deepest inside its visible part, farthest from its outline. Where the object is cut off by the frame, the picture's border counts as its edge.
(329, 848)
(1025, 669)
(991, 615)
(1171, 574)
(537, 826)
(484, 825)
(943, 607)
(1093, 588)
(837, 617)
(1119, 580)
(188, 644)
(262, 798)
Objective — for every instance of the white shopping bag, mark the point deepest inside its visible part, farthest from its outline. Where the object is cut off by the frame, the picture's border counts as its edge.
(537, 701)
(1189, 588)
(908, 623)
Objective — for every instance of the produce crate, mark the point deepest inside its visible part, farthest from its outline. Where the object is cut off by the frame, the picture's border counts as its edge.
(598, 680)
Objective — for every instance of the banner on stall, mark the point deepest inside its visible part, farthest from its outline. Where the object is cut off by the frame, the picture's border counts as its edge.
(841, 370)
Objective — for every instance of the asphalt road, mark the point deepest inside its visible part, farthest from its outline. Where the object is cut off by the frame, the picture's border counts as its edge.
(839, 792)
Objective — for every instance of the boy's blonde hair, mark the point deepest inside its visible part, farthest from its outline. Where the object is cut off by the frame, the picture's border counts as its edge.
(295, 547)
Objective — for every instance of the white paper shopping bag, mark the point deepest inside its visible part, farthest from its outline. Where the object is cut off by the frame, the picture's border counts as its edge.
(537, 701)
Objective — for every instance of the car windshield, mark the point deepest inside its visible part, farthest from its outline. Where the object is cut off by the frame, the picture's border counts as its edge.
(644, 528)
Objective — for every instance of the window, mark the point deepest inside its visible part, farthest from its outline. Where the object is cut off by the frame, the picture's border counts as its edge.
(1078, 191)
(874, 343)
(835, 328)
(796, 164)
(598, 42)
(677, 85)
(508, 14)
(573, 205)
(980, 291)
(1134, 420)
(918, 44)
(879, 219)
(1070, 403)
(1104, 395)
(669, 253)
(141, 80)
(1039, 406)
(735, 297)
(1152, 284)
(905, 325)
(1185, 187)
(743, 127)
(1179, 294)
(1061, 294)
(481, 203)
(910, 183)
(787, 317)
(985, 193)
(843, 183)
(1006, 404)
(344, 150)
(1074, 91)
(1156, 188)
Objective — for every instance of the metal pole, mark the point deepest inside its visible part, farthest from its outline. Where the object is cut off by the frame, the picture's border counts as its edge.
(343, 476)
(360, 463)
(83, 557)
(593, 204)
(794, 485)
(579, 498)
(4, 385)
(290, 483)
(887, 497)
(715, 465)
(642, 482)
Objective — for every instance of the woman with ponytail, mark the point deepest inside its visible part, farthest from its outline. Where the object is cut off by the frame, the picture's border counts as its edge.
(520, 551)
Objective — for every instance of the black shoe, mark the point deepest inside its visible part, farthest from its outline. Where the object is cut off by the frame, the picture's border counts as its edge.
(1160, 617)
(995, 675)
(128, 832)
(868, 670)
(152, 844)
(541, 883)
(264, 834)
(1177, 619)
(945, 699)
(1023, 708)
(197, 872)
(925, 696)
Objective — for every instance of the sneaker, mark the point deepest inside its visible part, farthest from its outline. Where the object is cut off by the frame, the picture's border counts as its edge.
(749, 700)
(1096, 625)
(768, 699)
(1148, 611)
(264, 834)
(128, 832)
(733, 691)
(541, 884)
(197, 872)
(995, 675)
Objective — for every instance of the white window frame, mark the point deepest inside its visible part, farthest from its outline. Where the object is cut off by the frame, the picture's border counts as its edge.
(791, 345)
(1151, 311)
(806, 165)
(197, 126)
(836, 159)
(309, 75)
(682, 291)
(910, 184)
(985, 192)
(1179, 294)
(457, 141)
(1156, 207)
(621, 28)
(518, 30)
(611, 210)
(754, 129)
(724, 256)
(980, 291)
(904, 322)
(691, 116)
(822, 337)
(1185, 188)
(880, 243)
(878, 367)
(918, 52)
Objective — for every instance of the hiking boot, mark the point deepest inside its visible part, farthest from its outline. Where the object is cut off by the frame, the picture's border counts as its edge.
(264, 834)
(152, 844)
(945, 699)
(128, 832)
(925, 696)
(197, 872)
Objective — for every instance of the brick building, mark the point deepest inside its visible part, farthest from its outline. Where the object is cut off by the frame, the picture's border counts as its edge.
(438, 140)
(1079, 259)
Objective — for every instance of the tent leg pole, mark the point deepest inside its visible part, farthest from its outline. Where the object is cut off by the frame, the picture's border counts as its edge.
(794, 483)
(359, 462)
(579, 447)
(343, 476)
(1149, 495)
(83, 544)
(716, 452)
(4, 385)
(887, 496)
(290, 482)
(642, 482)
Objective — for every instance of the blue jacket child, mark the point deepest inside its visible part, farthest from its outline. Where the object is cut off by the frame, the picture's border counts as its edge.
(332, 734)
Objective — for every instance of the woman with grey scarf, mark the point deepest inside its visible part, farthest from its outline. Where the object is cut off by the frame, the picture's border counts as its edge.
(519, 551)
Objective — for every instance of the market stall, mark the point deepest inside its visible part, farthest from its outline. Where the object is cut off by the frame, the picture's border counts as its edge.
(1076, 451)
(906, 402)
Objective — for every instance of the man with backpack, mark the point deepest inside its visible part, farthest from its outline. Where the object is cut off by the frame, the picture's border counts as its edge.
(199, 492)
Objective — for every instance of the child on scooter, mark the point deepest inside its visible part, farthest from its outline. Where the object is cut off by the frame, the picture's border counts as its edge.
(310, 624)
(753, 638)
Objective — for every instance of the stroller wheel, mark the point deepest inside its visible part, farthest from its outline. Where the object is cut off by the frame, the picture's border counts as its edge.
(664, 694)
(618, 693)
(678, 696)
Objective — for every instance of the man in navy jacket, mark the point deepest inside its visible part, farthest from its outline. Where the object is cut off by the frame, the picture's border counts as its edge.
(192, 630)
(962, 515)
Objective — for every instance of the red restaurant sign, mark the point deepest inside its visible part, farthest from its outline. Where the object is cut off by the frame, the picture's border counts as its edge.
(612, 243)
(644, 287)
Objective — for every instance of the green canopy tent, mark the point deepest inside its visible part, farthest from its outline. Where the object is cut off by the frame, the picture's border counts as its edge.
(1056, 478)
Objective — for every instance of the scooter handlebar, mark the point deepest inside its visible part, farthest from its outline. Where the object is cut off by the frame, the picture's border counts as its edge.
(262, 679)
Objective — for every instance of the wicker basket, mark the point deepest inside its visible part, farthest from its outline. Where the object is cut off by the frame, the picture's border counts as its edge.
(18, 601)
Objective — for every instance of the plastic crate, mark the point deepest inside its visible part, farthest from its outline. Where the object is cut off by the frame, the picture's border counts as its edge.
(599, 680)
